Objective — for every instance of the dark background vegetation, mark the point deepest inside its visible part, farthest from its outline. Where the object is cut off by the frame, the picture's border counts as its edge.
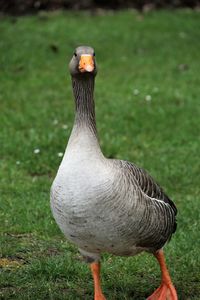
(33, 6)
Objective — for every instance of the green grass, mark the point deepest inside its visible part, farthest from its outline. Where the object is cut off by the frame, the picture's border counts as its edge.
(157, 54)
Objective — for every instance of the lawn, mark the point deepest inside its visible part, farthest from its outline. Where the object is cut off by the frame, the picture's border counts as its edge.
(147, 105)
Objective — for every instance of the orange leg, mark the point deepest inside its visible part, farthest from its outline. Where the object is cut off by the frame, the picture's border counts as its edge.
(98, 294)
(166, 291)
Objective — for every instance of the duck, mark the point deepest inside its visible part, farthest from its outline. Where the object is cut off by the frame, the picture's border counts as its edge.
(105, 204)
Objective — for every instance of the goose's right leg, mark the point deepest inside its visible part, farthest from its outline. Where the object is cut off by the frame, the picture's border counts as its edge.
(95, 268)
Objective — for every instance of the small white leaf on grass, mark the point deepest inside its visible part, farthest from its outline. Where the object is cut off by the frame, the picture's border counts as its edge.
(64, 126)
(155, 89)
(55, 122)
(36, 151)
(60, 154)
(136, 92)
(148, 98)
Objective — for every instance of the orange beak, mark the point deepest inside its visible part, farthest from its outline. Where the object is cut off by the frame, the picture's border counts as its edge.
(86, 63)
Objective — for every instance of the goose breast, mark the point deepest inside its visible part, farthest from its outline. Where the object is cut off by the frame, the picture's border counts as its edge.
(101, 208)
(90, 207)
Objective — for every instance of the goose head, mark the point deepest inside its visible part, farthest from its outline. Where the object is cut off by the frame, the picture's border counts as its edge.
(83, 62)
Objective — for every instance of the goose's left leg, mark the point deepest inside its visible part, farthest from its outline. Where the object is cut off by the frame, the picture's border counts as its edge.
(95, 268)
(166, 291)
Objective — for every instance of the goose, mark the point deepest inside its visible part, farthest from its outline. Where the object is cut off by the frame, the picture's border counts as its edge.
(107, 205)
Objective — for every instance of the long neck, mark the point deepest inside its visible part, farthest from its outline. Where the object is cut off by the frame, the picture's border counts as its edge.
(83, 89)
(84, 134)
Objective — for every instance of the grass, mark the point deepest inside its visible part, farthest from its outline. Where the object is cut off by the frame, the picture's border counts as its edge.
(156, 54)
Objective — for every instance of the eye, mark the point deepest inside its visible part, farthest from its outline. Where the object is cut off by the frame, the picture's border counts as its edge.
(75, 54)
(94, 54)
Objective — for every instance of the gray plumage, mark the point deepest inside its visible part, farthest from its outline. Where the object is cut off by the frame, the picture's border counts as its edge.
(100, 204)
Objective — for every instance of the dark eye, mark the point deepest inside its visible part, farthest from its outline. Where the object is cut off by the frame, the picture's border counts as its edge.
(75, 54)
(94, 54)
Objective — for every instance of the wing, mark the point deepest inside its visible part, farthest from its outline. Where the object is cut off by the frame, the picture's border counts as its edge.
(148, 185)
